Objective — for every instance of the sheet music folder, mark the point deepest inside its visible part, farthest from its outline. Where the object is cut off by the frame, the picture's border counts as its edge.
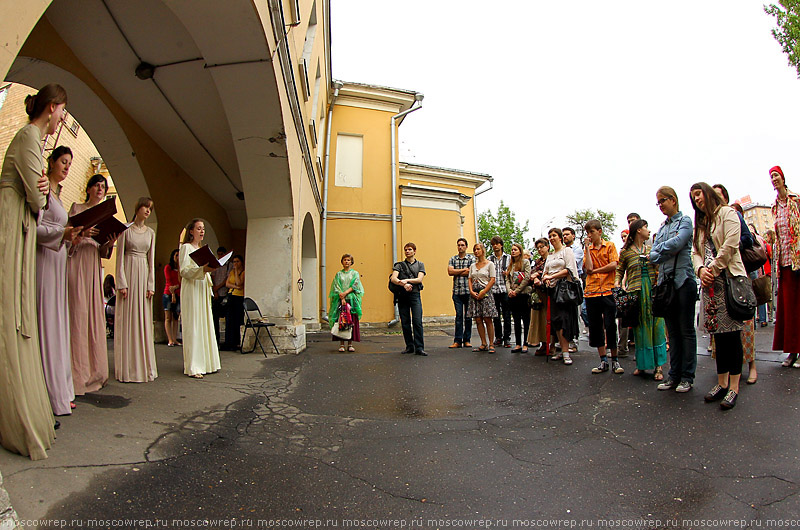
(203, 256)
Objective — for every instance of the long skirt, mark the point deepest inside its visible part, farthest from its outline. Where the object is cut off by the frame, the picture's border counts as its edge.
(787, 318)
(538, 329)
(650, 335)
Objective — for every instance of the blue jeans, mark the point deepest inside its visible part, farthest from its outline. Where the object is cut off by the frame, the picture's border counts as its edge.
(410, 309)
(682, 336)
(463, 323)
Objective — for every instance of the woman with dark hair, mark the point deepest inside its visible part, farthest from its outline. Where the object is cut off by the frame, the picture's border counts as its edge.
(171, 299)
(346, 286)
(87, 323)
(786, 252)
(134, 350)
(519, 292)
(537, 333)
(640, 275)
(26, 418)
(234, 310)
(715, 254)
(200, 352)
(54, 235)
(563, 317)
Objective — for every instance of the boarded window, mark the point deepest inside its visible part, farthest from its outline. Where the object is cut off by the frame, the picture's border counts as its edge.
(349, 160)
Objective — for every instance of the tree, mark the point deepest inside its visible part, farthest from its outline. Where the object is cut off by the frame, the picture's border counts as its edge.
(787, 17)
(503, 224)
(578, 218)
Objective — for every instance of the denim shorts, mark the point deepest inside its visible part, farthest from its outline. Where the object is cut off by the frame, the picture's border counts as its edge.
(175, 308)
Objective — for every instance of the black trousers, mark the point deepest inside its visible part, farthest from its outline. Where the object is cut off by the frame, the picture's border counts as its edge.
(729, 352)
(502, 328)
(521, 312)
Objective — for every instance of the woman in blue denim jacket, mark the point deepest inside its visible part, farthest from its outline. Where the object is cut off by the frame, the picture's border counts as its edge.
(672, 252)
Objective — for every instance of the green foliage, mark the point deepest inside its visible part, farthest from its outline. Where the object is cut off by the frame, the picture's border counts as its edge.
(578, 218)
(503, 224)
(787, 17)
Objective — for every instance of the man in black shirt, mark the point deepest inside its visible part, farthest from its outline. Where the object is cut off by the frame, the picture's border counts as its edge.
(409, 274)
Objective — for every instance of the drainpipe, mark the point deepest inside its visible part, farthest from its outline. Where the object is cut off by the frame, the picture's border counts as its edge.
(418, 101)
(324, 250)
(475, 205)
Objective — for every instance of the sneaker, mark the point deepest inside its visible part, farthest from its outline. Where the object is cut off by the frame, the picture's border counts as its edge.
(683, 386)
(602, 367)
(567, 359)
(669, 384)
(617, 368)
(715, 394)
(729, 401)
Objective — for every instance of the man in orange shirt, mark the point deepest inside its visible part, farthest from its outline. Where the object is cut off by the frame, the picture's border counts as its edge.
(600, 264)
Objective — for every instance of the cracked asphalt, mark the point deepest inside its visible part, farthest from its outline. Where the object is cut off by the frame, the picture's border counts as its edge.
(453, 436)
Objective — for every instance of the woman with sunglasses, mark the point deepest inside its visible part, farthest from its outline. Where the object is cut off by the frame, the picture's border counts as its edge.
(672, 252)
(715, 254)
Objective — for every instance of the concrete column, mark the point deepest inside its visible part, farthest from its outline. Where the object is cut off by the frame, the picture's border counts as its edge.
(8, 517)
(271, 266)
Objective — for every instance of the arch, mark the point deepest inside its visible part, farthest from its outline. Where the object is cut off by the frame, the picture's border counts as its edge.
(309, 271)
(98, 122)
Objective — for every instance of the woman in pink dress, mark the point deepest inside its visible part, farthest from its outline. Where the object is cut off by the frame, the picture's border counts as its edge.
(53, 235)
(87, 323)
(134, 350)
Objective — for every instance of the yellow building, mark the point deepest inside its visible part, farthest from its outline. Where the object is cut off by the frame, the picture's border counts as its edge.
(760, 215)
(433, 206)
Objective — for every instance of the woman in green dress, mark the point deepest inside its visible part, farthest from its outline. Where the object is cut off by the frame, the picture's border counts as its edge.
(346, 286)
(640, 276)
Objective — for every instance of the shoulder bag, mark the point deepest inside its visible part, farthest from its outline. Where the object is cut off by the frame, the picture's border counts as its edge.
(664, 293)
(568, 291)
(762, 287)
(740, 300)
(753, 257)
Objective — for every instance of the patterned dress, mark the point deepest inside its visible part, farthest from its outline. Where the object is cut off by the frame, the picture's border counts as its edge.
(715, 312)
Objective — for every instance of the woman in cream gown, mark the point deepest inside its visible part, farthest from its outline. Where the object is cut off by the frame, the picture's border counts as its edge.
(26, 418)
(200, 353)
(134, 349)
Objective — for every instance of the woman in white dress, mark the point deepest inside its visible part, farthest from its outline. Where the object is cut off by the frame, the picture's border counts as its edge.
(200, 353)
(134, 350)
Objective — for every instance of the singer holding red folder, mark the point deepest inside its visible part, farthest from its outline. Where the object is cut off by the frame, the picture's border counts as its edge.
(200, 352)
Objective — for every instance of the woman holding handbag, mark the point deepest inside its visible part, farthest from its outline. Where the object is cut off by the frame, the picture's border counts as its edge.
(481, 304)
(649, 332)
(672, 251)
(346, 289)
(519, 292)
(561, 266)
(786, 253)
(538, 300)
(716, 258)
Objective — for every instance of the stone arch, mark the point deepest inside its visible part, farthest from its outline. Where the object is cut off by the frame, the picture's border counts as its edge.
(309, 263)
(98, 122)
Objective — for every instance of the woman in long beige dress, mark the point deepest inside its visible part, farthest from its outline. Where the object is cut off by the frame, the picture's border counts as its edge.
(53, 235)
(200, 352)
(87, 322)
(26, 419)
(134, 350)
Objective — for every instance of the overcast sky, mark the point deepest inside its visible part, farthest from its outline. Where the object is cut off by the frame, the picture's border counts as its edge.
(585, 103)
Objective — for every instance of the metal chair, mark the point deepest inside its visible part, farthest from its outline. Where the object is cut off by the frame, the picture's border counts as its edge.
(256, 324)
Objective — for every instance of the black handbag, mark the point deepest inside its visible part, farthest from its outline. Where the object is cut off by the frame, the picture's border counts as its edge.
(664, 293)
(397, 289)
(628, 307)
(740, 300)
(568, 291)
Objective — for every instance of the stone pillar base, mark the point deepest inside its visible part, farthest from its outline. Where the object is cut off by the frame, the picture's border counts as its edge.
(288, 339)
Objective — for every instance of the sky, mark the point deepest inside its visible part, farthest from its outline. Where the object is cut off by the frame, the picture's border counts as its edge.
(583, 104)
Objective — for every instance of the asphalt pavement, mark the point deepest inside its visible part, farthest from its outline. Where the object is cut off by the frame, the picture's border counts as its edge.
(376, 439)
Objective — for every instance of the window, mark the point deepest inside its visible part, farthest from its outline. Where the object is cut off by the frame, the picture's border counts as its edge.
(349, 161)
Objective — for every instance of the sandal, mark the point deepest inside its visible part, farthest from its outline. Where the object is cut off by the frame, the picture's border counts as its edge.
(659, 375)
(790, 359)
(197, 376)
(351, 348)
(341, 348)
(639, 372)
(483, 347)
(567, 359)
(491, 349)
(518, 349)
(524, 349)
(556, 357)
